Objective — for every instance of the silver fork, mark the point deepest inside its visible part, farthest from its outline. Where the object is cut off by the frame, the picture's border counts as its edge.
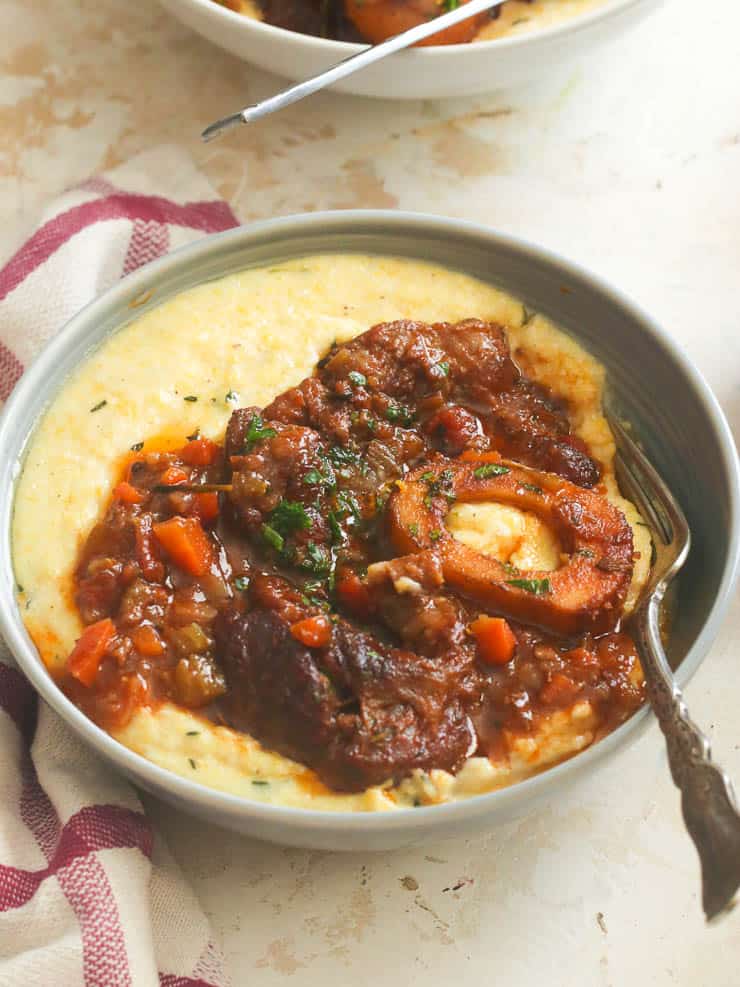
(707, 799)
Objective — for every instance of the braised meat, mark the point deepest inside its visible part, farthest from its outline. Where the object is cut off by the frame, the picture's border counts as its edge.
(314, 596)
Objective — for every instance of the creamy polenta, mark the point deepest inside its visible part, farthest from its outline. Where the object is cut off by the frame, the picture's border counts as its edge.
(181, 367)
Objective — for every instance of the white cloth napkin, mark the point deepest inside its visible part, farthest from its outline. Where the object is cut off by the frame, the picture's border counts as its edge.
(89, 894)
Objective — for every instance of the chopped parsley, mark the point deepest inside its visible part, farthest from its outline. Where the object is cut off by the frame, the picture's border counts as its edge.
(527, 315)
(260, 781)
(19, 587)
(451, 5)
(371, 424)
(99, 405)
(316, 559)
(190, 397)
(137, 447)
(439, 485)
(356, 378)
(443, 368)
(194, 436)
(537, 587)
(231, 398)
(414, 529)
(336, 529)
(193, 765)
(435, 535)
(273, 538)
(316, 478)
(289, 516)
(399, 413)
(586, 553)
(347, 503)
(241, 583)
(532, 487)
(341, 456)
(490, 469)
(257, 432)
(193, 733)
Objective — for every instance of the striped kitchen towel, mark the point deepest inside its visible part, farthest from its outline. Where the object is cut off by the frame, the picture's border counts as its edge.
(88, 892)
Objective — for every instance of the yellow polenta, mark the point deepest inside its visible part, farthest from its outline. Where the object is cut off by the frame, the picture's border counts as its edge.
(252, 335)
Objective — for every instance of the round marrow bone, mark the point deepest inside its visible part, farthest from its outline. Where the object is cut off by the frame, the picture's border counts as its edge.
(586, 593)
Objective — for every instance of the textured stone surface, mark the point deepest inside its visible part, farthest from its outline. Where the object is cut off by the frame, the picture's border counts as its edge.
(630, 164)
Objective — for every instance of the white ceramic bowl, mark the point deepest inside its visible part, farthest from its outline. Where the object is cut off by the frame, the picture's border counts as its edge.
(428, 73)
(659, 391)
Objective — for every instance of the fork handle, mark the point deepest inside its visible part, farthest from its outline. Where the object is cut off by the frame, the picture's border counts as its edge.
(707, 800)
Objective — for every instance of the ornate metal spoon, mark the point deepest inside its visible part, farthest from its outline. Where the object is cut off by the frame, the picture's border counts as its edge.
(347, 66)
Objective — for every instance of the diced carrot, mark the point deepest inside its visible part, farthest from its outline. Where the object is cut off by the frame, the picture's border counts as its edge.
(205, 506)
(147, 641)
(495, 639)
(87, 654)
(200, 452)
(186, 543)
(354, 594)
(472, 455)
(128, 494)
(559, 690)
(173, 475)
(314, 632)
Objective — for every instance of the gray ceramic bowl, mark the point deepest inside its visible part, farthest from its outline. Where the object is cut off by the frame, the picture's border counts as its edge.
(671, 407)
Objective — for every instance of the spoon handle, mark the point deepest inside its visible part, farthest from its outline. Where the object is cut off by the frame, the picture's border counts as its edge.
(707, 799)
(347, 66)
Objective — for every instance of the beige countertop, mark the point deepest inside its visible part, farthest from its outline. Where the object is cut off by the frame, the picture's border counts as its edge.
(629, 163)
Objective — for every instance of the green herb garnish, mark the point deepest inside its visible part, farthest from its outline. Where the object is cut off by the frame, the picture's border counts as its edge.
(259, 781)
(439, 485)
(414, 529)
(316, 559)
(532, 487)
(190, 397)
(537, 587)
(241, 583)
(356, 378)
(194, 436)
(399, 413)
(231, 397)
(347, 503)
(289, 516)
(257, 432)
(336, 530)
(137, 447)
(443, 368)
(193, 733)
(451, 5)
(490, 469)
(273, 538)
(193, 765)
(99, 405)
(341, 456)
(435, 535)
(527, 315)
(316, 478)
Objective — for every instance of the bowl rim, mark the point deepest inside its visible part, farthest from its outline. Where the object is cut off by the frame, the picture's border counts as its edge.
(226, 805)
(343, 49)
